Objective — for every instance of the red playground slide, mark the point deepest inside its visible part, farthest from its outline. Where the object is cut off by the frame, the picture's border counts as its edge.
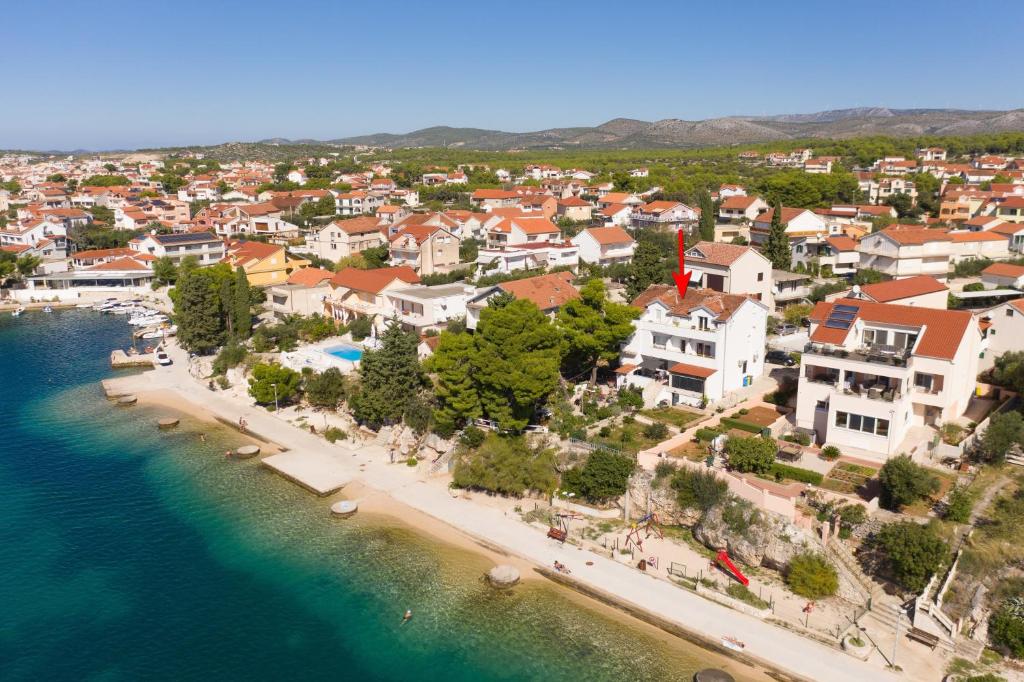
(729, 566)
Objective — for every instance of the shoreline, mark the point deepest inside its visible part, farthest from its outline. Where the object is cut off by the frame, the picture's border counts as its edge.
(646, 601)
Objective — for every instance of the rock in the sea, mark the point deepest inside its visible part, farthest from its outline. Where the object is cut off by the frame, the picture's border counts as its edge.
(503, 575)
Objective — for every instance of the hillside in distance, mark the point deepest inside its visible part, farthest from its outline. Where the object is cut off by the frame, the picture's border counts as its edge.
(624, 133)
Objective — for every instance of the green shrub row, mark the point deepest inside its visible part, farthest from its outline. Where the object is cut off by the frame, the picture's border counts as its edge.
(780, 470)
(731, 423)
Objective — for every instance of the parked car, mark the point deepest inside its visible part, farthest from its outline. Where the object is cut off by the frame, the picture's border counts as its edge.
(787, 329)
(162, 358)
(779, 357)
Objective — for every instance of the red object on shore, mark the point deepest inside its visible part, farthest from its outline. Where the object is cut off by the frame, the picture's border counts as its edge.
(726, 563)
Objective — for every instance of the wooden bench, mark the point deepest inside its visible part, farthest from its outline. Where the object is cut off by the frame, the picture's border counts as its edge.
(926, 638)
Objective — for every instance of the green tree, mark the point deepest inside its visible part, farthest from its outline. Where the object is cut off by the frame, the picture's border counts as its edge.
(700, 489)
(648, 268)
(454, 388)
(268, 381)
(754, 454)
(958, 508)
(1005, 430)
(164, 271)
(868, 276)
(594, 329)
(376, 256)
(198, 310)
(241, 305)
(360, 328)
(26, 265)
(810, 575)
(777, 248)
(910, 552)
(707, 217)
(506, 465)
(904, 482)
(604, 476)
(389, 378)
(325, 389)
(516, 362)
(1006, 627)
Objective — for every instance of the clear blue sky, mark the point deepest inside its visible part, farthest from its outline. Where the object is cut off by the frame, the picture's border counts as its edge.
(115, 74)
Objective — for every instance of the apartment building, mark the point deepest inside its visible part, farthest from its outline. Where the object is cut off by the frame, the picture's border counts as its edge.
(344, 238)
(361, 293)
(731, 269)
(799, 222)
(693, 349)
(671, 215)
(922, 290)
(427, 249)
(904, 251)
(605, 245)
(742, 208)
(873, 371)
(207, 249)
(422, 308)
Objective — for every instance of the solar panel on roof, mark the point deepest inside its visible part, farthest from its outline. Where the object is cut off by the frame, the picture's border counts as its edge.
(174, 238)
(839, 315)
(845, 308)
(837, 324)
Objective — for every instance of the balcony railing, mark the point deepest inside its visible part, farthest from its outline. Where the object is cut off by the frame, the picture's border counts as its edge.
(883, 355)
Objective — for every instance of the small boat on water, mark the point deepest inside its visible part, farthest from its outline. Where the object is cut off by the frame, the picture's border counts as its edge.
(730, 642)
(47, 309)
(86, 305)
(18, 311)
(147, 320)
(160, 333)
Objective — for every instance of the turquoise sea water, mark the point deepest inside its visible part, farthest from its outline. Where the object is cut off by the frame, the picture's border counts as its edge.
(127, 553)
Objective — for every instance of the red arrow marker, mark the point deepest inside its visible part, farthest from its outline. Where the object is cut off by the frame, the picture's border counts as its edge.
(682, 278)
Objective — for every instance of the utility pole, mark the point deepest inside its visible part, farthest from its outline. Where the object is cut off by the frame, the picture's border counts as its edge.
(276, 407)
(899, 615)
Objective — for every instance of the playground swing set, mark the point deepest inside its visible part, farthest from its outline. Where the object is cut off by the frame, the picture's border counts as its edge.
(648, 525)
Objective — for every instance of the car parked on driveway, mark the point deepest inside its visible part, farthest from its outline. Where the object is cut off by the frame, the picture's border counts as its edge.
(787, 329)
(779, 357)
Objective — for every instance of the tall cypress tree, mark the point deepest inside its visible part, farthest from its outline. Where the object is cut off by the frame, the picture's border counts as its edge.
(707, 217)
(389, 378)
(198, 312)
(777, 248)
(241, 309)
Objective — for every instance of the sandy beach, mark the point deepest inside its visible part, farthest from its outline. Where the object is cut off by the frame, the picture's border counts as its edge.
(397, 493)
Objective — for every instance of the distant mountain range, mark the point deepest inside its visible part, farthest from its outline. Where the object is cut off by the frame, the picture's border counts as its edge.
(624, 133)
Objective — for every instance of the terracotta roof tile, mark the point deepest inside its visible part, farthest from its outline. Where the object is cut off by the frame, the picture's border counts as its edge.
(897, 289)
(546, 291)
(373, 281)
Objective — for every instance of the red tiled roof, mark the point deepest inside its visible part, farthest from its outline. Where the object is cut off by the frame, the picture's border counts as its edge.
(961, 237)
(721, 305)
(738, 202)
(943, 330)
(842, 243)
(373, 281)
(717, 253)
(692, 370)
(914, 236)
(494, 194)
(245, 251)
(120, 264)
(546, 291)
(1004, 270)
(897, 289)
(309, 277)
(609, 235)
(360, 225)
(103, 253)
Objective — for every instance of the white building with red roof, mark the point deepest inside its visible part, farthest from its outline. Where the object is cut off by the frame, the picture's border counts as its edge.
(671, 215)
(694, 349)
(921, 290)
(605, 245)
(873, 372)
(731, 269)
(907, 250)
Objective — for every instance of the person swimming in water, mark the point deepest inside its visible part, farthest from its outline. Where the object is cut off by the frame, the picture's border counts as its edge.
(407, 617)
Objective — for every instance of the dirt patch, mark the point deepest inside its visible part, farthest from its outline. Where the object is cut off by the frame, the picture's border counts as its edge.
(760, 415)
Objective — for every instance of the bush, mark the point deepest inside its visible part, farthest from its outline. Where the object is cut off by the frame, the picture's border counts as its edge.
(754, 455)
(910, 552)
(472, 437)
(605, 475)
(737, 591)
(631, 398)
(959, 506)
(830, 453)
(663, 469)
(699, 490)
(799, 438)
(1005, 430)
(506, 465)
(604, 431)
(784, 471)
(360, 328)
(326, 389)
(706, 434)
(904, 482)
(270, 382)
(412, 462)
(333, 434)
(1006, 627)
(229, 356)
(730, 423)
(852, 515)
(656, 431)
(811, 575)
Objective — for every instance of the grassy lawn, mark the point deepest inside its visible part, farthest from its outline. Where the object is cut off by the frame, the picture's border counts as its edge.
(671, 415)
(695, 451)
(846, 477)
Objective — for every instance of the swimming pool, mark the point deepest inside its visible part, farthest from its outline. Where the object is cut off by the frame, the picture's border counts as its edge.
(345, 352)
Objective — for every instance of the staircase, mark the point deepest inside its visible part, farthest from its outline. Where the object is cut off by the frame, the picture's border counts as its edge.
(847, 564)
(651, 392)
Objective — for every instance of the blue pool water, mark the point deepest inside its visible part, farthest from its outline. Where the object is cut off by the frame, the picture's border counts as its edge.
(129, 553)
(350, 353)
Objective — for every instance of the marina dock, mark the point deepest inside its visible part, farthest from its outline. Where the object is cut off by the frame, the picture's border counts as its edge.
(119, 359)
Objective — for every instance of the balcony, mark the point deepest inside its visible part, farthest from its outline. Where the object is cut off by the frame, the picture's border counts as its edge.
(882, 355)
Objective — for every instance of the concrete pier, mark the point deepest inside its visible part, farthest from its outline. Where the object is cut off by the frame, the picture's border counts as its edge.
(314, 471)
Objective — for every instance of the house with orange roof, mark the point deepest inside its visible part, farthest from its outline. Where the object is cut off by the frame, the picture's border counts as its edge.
(1002, 329)
(605, 245)
(344, 238)
(303, 293)
(1003, 276)
(575, 209)
(742, 208)
(873, 372)
(358, 202)
(616, 215)
(665, 215)
(920, 290)
(427, 249)
(362, 293)
(693, 349)
(486, 199)
(206, 248)
(522, 229)
(731, 269)
(548, 292)
(1014, 233)
(907, 250)
(968, 245)
(264, 264)
(1011, 209)
(799, 222)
